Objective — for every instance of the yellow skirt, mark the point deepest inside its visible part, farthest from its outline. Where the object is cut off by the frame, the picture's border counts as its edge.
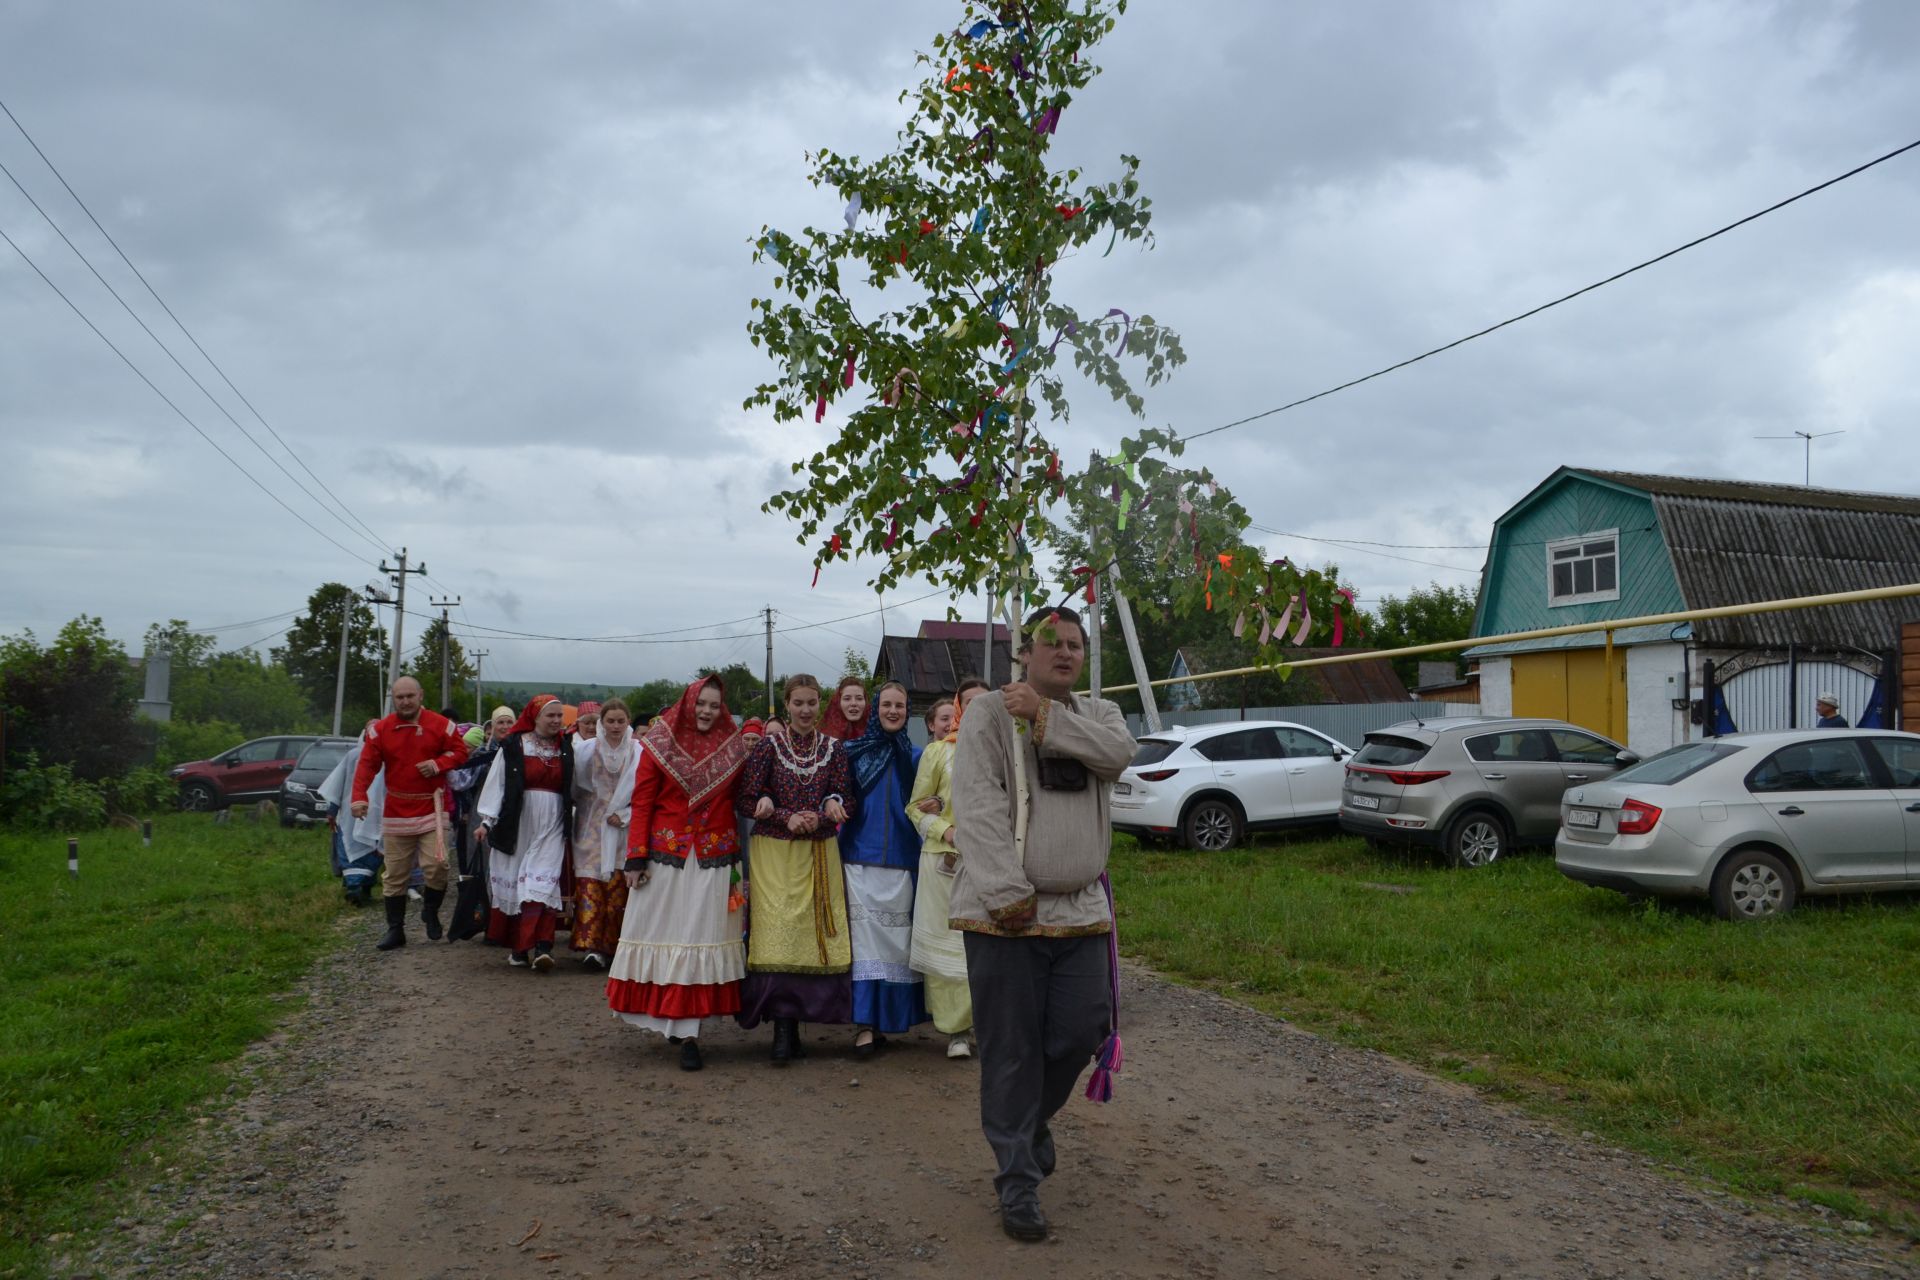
(797, 907)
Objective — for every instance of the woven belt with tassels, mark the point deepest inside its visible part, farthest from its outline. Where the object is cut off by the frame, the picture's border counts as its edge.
(822, 901)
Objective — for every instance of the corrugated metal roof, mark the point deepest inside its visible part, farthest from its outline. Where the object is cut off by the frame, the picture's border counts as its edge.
(934, 668)
(943, 629)
(1751, 491)
(1731, 551)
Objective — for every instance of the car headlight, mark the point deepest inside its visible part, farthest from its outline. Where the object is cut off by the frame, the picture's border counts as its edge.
(296, 788)
(178, 771)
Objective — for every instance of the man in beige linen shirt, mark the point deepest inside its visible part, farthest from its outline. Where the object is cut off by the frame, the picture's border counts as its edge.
(1035, 917)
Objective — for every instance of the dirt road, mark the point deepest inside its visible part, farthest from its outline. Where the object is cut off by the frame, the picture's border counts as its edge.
(431, 1113)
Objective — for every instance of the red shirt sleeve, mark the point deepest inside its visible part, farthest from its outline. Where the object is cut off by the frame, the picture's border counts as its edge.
(370, 763)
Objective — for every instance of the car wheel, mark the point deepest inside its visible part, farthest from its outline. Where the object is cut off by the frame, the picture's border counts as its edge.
(1753, 884)
(1476, 839)
(1212, 825)
(198, 797)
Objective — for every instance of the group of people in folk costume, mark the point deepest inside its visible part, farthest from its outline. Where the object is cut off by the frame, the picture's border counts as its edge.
(881, 886)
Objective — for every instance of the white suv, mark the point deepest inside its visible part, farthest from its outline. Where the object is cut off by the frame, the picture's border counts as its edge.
(1209, 785)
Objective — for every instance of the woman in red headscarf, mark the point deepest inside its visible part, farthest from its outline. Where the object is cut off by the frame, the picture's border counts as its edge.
(845, 716)
(526, 814)
(680, 957)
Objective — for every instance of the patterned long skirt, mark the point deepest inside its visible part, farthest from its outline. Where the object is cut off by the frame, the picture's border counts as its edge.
(598, 908)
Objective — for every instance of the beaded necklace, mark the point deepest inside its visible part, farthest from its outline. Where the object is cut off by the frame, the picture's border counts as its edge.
(819, 752)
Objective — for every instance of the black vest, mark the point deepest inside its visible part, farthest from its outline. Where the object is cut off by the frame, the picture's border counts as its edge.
(505, 835)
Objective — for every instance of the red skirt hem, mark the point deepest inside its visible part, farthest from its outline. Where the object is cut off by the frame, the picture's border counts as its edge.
(658, 1001)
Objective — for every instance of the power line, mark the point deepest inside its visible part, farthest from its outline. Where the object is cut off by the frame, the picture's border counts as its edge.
(168, 352)
(235, 626)
(271, 635)
(1386, 555)
(868, 614)
(1618, 275)
(181, 325)
(171, 405)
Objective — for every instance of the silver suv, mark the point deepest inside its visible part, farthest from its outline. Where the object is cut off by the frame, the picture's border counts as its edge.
(1472, 788)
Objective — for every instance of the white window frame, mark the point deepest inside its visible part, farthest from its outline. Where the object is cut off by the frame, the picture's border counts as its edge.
(1590, 597)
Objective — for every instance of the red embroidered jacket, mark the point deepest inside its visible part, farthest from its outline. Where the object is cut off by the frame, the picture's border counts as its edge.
(662, 829)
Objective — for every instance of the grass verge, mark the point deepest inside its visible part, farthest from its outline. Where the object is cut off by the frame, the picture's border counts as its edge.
(1782, 1058)
(126, 990)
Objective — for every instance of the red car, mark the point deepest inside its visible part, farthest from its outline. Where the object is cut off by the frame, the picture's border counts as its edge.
(251, 771)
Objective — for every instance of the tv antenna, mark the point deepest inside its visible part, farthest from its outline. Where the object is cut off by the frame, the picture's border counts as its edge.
(1809, 437)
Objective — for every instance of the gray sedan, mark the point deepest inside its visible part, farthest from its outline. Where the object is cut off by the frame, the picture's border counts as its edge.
(1753, 820)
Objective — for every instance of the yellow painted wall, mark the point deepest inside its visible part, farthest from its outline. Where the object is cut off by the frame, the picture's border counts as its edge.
(1572, 685)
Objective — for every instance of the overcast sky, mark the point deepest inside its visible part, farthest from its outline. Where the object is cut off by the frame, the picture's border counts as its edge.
(486, 267)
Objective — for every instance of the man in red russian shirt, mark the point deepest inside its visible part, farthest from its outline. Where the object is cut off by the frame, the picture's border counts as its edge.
(416, 748)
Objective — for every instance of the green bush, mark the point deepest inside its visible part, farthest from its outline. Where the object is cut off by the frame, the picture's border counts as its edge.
(50, 797)
(142, 791)
(184, 741)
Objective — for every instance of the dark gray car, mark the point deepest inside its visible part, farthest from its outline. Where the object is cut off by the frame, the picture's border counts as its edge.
(300, 801)
(1473, 788)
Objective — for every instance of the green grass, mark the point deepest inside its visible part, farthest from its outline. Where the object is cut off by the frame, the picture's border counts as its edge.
(126, 990)
(1781, 1058)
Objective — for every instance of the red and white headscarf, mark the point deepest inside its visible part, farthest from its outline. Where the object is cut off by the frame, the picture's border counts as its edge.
(699, 763)
(531, 713)
(834, 722)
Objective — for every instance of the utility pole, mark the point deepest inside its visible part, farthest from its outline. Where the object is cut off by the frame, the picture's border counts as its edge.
(479, 689)
(377, 596)
(340, 677)
(397, 574)
(770, 695)
(446, 650)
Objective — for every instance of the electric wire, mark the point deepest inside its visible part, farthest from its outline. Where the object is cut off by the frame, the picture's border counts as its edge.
(168, 352)
(236, 626)
(198, 430)
(181, 325)
(1545, 306)
(1386, 555)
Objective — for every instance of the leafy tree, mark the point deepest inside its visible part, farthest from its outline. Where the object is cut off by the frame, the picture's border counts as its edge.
(236, 688)
(311, 654)
(746, 694)
(855, 663)
(655, 696)
(1425, 615)
(72, 702)
(942, 468)
(426, 666)
(240, 688)
(183, 647)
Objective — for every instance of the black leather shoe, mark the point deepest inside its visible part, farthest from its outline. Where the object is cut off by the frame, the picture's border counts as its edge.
(396, 934)
(782, 1042)
(1020, 1217)
(430, 900)
(690, 1055)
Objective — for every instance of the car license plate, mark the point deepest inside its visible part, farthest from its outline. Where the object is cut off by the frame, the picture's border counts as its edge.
(1364, 802)
(1583, 817)
(1122, 789)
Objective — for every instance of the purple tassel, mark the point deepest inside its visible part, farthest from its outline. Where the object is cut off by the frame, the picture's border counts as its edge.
(1106, 1063)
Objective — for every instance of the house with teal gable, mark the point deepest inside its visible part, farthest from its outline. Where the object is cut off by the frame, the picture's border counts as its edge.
(1591, 545)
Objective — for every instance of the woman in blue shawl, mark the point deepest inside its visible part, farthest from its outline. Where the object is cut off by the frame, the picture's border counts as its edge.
(880, 850)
